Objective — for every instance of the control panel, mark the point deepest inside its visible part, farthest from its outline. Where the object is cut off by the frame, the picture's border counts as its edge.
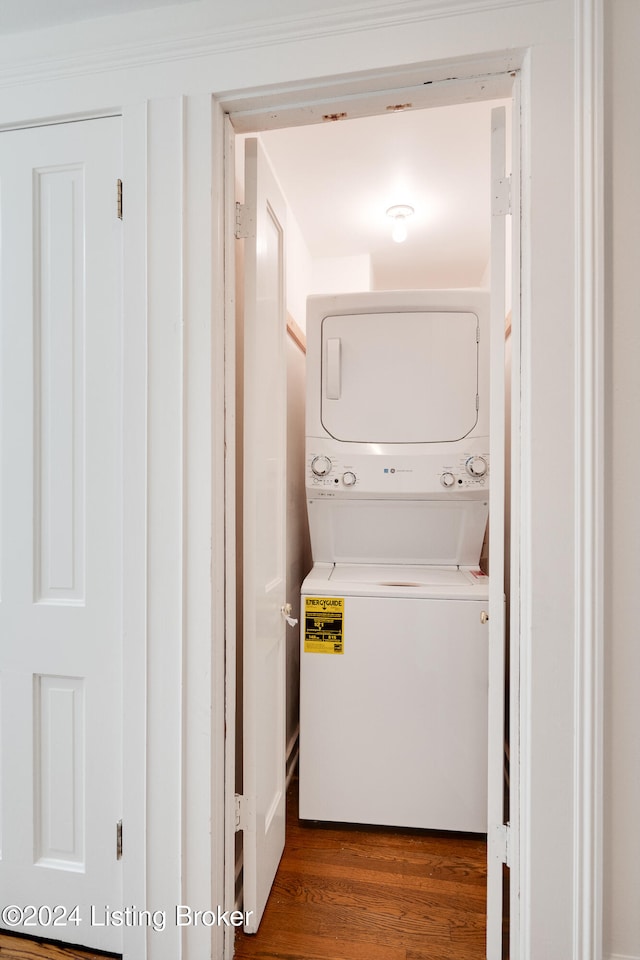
(330, 472)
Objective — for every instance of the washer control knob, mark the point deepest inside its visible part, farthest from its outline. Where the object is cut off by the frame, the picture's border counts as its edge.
(447, 479)
(476, 466)
(348, 478)
(321, 466)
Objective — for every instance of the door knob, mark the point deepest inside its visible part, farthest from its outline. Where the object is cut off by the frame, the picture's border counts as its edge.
(286, 610)
(484, 617)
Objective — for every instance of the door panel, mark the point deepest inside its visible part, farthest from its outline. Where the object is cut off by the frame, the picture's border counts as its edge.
(60, 522)
(264, 501)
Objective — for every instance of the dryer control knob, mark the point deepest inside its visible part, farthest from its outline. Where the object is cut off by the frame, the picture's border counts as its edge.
(348, 478)
(321, 466)
(476, 466)
(447, 479)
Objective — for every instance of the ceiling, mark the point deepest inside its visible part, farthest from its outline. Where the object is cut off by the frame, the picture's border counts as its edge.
(339, 179)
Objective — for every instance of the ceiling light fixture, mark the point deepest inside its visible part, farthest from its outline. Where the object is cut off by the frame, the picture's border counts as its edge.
(399, 214)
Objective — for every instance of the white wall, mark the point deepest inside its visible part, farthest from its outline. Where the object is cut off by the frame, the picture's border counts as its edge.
(622, 632)
(307, 274)
(341, 274)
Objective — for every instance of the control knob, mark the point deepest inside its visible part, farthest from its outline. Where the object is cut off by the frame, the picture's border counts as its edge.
(321, 466)
(447, 479)
(348, 478)
(476, 466)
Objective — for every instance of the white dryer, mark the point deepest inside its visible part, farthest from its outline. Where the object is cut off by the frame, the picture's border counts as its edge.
(393, 654)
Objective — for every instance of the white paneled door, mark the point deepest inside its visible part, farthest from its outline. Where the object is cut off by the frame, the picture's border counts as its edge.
(61, 531)
(264, 513)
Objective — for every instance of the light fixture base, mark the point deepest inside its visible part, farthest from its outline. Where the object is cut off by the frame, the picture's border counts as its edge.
(400, 210)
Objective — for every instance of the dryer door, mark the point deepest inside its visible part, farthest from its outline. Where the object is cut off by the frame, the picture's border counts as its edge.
(405, 377)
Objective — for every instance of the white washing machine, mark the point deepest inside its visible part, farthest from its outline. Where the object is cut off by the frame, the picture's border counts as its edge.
(393, 725)
(393, 711)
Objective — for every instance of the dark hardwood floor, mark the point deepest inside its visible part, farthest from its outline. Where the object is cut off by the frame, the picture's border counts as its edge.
(13, 947)
(350, 893)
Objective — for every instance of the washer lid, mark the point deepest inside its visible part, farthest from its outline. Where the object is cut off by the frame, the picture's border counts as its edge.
(406, 377)
(403, 575)
(418, 533)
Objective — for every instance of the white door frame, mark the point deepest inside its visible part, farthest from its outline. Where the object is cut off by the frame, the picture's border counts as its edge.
(504, 83)
(260, 109)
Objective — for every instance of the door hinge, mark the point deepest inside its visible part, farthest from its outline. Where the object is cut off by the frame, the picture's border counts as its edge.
(245, 222)
(243, 811)
(501, 197)
(119, 198)
(239, 812)
(119, 840)
(502, 843)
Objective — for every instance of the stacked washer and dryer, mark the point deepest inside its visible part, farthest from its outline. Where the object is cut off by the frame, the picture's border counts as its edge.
(394, 651)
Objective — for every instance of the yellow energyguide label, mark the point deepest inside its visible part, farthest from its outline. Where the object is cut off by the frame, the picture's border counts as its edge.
(324, 625)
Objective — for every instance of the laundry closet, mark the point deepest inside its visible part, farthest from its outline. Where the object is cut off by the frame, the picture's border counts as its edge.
(343, 266)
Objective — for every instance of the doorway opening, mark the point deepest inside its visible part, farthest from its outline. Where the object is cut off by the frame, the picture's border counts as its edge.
(325, 172)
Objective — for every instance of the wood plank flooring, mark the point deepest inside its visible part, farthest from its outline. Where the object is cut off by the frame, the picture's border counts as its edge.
(14, 947)
(349, 893)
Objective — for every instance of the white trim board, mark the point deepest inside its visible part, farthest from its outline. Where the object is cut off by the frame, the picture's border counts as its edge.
(437, 84)
(589, 482)
(473, 82)
(206, 40)
(135, 525)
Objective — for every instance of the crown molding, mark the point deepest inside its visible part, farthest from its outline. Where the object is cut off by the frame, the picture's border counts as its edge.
(211, 42)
